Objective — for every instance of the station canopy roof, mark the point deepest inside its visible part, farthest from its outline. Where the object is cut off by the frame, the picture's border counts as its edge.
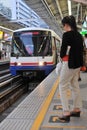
(7, 26)
(52, 11)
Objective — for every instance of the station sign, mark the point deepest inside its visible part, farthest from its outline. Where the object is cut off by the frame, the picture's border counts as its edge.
(83, 32)
(1, 35)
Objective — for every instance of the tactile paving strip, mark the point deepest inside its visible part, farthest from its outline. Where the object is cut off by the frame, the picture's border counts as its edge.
(24, 115)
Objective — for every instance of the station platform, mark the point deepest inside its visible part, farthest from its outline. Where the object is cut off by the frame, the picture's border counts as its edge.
(7, 60)
(40, 109)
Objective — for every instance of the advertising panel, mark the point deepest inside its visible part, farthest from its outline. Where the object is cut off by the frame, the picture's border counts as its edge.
(1, 35)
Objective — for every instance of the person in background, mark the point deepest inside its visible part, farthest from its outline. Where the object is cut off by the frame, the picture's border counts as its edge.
(85, 58)
(0, 54)
(85, 40)
(71, 64)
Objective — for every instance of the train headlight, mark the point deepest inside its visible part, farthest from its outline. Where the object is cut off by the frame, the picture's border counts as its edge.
(19, 64)
(41, 63)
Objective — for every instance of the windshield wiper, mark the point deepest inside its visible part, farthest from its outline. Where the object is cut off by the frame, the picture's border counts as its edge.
(41, 45)
(20, 50)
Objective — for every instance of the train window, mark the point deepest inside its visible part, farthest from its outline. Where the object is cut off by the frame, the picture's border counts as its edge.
(32, 43)
(17, 48)
(44, 46)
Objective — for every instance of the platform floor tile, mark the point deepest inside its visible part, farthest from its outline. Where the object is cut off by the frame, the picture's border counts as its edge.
(16, 124)
(51, 121)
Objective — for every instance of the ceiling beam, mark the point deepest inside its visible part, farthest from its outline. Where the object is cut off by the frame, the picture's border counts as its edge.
(7, 30)
(59, 8)
(81, 1)
(81, 13)
(47, 7)
(78, 8)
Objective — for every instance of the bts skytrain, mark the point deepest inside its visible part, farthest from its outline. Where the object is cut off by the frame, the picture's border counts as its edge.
(34, 50)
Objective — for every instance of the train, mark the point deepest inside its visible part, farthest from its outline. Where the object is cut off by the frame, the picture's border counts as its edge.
(34, 50)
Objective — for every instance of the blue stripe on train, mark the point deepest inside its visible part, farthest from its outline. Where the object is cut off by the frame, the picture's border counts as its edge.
(46, 69)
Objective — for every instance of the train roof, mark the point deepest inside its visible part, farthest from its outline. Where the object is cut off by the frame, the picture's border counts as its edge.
(32, 28)
(37, 28)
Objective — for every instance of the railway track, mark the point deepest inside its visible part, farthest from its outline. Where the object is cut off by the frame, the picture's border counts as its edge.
(13, 88)
(4, 66)
(10, 90)
(4, 72)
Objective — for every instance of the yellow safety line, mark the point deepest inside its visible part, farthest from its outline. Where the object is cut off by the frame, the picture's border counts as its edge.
(73, 127)
(37, 122)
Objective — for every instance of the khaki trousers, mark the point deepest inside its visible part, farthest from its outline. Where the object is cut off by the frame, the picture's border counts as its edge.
(69, 78)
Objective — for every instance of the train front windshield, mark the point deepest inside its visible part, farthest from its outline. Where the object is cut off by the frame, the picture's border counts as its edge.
(31, 43)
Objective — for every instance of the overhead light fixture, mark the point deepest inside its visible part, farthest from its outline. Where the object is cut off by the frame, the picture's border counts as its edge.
(69, 7)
